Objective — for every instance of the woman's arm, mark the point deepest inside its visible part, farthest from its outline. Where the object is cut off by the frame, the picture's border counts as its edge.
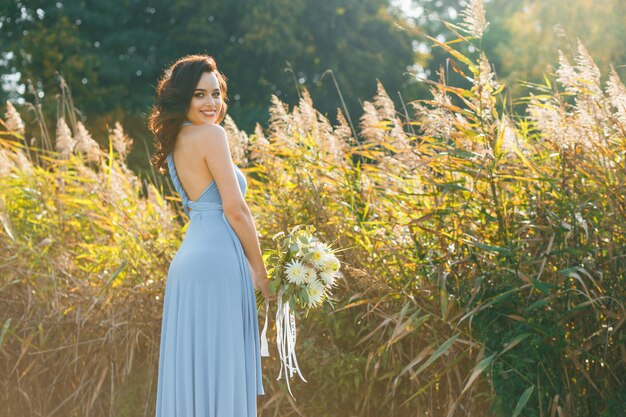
(212, 142)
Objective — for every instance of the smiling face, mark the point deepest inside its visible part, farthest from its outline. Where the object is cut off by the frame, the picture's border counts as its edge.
(206, 102)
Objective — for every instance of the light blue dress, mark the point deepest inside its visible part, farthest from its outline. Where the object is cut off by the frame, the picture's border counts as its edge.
(209, 359)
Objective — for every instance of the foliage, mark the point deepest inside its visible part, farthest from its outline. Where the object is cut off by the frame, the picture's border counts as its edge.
(524, 35)
(84, 246)
(527, 34)
(523, 209)
(112, 52)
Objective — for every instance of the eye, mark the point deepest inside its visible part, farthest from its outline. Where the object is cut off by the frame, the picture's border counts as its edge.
(199, 94)
(216, 94)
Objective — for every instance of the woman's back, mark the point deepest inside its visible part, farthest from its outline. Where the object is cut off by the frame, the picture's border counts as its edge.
(191, 166)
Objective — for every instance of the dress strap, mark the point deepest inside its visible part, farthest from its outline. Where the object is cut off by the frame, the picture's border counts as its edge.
(186, 123)
(179, 188)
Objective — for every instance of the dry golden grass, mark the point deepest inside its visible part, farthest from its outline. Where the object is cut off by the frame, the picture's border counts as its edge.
(483, 254)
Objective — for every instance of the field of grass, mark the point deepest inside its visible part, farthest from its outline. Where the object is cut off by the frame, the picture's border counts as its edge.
(483, 264)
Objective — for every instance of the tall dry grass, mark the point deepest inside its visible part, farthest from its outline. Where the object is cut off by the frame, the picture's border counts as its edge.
(85, 243)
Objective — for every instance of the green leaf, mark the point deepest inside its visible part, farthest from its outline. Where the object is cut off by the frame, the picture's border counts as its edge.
(567, 271)
(108, 168)
(516, 340)
(523, 400)
(477, 371)
(443, 297)
(303, 295)
(5, 329)
(273, 286)
(544, 287)
(547, 80)
(442, 349)
(452, 51)
(539, 303)
(117, 272)
(504, 295)
(498, 90)
(491, 248)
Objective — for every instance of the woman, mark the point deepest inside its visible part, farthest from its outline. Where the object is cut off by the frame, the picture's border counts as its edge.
(209, 360)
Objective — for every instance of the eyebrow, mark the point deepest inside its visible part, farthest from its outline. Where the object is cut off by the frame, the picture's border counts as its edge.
(202, 89)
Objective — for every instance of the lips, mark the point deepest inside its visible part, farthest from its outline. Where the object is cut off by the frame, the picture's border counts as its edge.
(208, 113)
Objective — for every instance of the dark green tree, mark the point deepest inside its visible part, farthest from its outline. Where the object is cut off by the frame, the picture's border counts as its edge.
(111, 53)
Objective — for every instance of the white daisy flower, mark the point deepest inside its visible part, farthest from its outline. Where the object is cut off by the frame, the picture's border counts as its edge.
(323, 247)
(296, 272)
(311, 275)
(318, 254)
(327, 278)
(330, 263)
(315, 292)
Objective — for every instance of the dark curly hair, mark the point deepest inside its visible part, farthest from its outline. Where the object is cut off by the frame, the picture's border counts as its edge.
(173, 97)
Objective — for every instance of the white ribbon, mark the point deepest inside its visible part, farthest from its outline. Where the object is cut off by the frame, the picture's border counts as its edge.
(286, 340)
(264, 348)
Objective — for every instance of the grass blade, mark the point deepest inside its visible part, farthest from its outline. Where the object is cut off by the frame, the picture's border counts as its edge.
(521, 403)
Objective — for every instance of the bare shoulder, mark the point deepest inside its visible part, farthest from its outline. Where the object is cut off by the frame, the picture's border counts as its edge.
(206, 138)
(206, 131)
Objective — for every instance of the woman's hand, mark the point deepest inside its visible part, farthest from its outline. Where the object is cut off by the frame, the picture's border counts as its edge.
(261, 282)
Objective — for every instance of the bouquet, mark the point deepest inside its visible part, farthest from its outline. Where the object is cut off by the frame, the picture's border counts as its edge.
(302, 271)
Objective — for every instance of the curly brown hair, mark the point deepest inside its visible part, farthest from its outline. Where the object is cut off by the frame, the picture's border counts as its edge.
(173, 97)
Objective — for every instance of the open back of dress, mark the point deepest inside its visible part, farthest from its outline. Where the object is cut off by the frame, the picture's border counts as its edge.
(209, 359)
